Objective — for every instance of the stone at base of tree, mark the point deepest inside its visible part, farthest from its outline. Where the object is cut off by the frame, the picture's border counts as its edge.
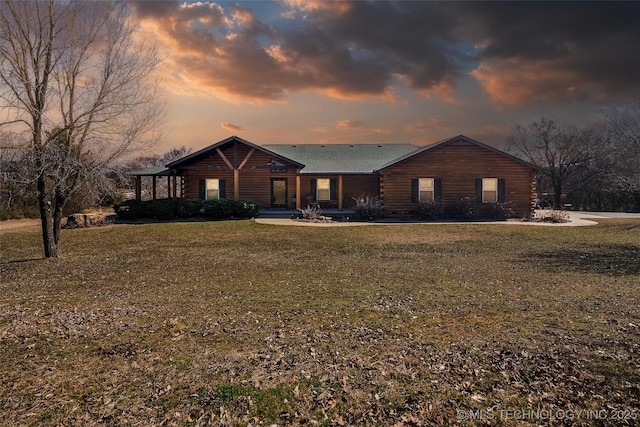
(86, 220)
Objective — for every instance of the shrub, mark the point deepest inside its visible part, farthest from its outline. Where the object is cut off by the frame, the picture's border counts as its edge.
(113, 198)
(164, 209)
(430, 210)
(189, 208)
(19, 212)
(367, 208)
(246, 209)
(311, 213)
(497, 211)
(552, 215)
(132, 209)
(465, 209)
(218, 208)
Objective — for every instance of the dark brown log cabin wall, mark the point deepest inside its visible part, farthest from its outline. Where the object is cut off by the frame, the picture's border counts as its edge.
(254, 177)
(353, 185)
(358, 185)
(458, 166)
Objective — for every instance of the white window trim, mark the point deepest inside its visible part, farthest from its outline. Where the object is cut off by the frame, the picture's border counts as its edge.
(325, 187)
(492, 191)
(426, 189)
(212, 185)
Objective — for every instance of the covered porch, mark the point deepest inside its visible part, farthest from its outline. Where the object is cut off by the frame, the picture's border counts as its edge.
(174, 183)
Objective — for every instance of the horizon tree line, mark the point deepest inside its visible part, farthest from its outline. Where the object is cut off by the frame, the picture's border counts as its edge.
(78, 96)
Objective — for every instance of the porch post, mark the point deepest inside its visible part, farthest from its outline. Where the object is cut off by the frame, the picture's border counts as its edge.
(298, 192)
(168, 186)
(138, 187)
(175, 187)
(340, 196)
(153, 192)
(236, 184)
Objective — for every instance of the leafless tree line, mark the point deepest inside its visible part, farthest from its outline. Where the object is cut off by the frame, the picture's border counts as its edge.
(590, 168)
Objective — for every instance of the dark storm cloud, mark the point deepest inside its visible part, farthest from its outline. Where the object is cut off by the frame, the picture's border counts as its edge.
(376, 40)
(577, 49)
(520, 51)
(153, 9)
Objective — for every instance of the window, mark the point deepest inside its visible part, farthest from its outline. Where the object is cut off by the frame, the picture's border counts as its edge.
(489, 190)
(426, 189)
(323, 189)
(212, 189)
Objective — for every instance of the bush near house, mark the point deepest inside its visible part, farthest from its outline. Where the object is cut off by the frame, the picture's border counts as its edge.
(218, 208)
(430, 210)
(367, 208)
(496, 211)
(245, 209)
(167, 209)
(465, 209)
(164, 209)
(189, 208)
(133, 209)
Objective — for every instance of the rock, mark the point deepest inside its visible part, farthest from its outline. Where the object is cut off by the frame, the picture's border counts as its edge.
(86, 220)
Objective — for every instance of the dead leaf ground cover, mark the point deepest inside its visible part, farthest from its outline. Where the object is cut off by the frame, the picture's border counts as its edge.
(237, 323)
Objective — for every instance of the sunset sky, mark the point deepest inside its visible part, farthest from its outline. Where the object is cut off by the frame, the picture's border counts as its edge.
(406, 72)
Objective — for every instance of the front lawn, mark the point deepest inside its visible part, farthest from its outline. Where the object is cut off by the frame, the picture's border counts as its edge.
(238, 323)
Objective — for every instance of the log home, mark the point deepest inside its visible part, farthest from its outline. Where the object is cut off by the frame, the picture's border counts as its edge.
(401, 175)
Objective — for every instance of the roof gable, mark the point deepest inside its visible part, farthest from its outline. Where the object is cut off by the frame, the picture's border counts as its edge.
(205, 151)
(459, 140)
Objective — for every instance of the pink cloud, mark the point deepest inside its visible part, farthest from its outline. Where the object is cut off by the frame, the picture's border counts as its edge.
(349, 124)
(231, 127)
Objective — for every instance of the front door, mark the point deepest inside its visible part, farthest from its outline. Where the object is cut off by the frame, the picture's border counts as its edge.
(278, 192)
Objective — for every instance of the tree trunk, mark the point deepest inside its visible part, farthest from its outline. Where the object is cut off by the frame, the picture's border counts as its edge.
(57, 220)
(557, 196)
(44, 205)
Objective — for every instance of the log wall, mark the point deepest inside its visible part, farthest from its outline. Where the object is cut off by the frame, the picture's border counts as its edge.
(254, 179)
(458, 166)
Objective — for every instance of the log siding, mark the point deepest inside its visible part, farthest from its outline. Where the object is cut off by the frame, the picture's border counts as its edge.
(457, 166)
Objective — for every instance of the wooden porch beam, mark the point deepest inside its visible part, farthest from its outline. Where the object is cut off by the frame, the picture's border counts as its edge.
(236, 184)
(340, 196)
(298, 192)
(221, 154)
(138, 187)
(175, 187)
(246, 159)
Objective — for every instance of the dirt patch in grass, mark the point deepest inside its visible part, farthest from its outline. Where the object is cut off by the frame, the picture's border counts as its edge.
(237, 323)
(18, 225)
(612, 259)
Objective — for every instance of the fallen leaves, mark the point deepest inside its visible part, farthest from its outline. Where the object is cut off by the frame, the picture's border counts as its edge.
(247, 326)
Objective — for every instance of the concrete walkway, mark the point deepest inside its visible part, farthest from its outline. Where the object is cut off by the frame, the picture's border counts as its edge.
(576, 219)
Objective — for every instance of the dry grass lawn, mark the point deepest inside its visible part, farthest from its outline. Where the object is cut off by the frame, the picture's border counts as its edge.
(237, 323)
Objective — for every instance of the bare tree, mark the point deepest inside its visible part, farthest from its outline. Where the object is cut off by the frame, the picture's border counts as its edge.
(563, 154)
(17, 188)
(74, 77)
(623, 148)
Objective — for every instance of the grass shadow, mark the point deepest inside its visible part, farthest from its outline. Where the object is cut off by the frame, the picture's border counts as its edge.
(610, 259)
(19, 261)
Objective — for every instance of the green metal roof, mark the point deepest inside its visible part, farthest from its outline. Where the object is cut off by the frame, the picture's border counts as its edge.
(342, 158)
(157, 171)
